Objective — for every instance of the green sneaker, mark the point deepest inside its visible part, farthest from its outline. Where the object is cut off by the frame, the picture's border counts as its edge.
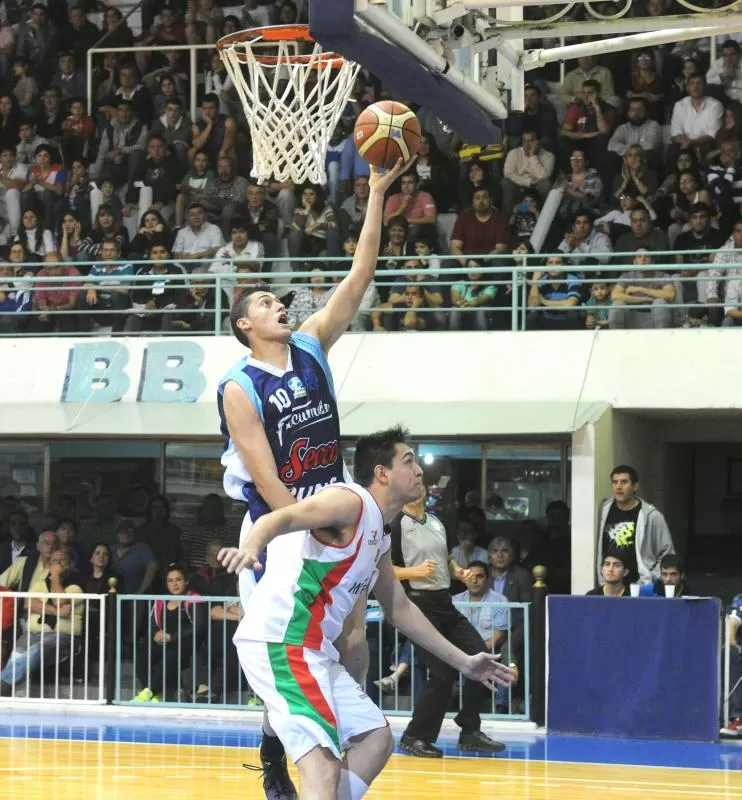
(145, 696)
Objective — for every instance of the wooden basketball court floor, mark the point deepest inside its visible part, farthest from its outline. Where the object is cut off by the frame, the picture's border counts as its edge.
(105, 758)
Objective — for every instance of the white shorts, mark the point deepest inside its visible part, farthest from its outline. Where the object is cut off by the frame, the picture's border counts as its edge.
(311, 700)
(246, 579)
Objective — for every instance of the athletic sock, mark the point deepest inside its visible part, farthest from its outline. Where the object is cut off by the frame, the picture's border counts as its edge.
(351, 787)
(271, 748)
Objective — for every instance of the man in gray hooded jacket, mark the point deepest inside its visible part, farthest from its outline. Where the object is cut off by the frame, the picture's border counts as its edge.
(631, 525)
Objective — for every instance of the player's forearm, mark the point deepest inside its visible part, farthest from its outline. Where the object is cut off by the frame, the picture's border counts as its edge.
(273, 491)
(407, 618)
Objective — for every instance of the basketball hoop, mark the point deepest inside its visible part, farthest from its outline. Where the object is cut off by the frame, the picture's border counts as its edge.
(292, 99)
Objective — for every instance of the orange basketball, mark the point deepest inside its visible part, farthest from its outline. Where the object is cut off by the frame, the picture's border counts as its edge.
(387, 131)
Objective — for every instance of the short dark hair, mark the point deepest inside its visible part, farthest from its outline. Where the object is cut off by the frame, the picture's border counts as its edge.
(592, 85)
(411, 173)
(398, 221)
(530, 132)
(238, 224)
(699, 208)
(239, 310)
(642, 100)
(698, 312)
(625, 469)
(211, 98)
(176, 101)
(731, 44)
(671, 562)
(613, 553)
(696, 75)
(111, 240)
(376, 449)
(479, 564)
(534, 87)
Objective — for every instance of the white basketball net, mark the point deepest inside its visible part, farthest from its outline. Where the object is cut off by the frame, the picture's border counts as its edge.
(292, 107)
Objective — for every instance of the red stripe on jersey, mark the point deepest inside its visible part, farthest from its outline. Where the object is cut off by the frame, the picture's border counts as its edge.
(308, 683)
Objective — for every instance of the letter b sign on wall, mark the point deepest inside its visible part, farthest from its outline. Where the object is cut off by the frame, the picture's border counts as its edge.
(170, 372)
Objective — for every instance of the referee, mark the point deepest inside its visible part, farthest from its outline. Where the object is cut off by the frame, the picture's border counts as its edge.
(419, 538)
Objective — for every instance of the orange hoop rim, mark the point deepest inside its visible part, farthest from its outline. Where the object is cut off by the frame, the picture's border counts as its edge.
(280, 33)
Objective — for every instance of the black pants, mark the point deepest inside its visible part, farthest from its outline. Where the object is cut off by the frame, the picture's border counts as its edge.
(432, 702)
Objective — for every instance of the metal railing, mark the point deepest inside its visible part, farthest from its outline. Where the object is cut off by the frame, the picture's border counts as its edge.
(509, 309)
(40, 662)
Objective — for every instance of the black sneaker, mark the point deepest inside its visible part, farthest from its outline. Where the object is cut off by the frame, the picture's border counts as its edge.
(277, 783)
(478, 742)
(419, 747)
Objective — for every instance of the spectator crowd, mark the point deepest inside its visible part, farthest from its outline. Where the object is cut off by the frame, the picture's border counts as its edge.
(639, 150)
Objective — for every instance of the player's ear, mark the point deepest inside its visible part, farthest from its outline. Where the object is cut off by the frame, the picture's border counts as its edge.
(381, 473)
(244, 324)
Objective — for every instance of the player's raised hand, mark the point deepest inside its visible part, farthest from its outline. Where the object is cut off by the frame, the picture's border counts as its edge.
(235, 559)
(487, 669)
(381, 179)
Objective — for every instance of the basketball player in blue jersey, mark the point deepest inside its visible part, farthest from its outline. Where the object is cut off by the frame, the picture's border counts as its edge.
(280, 422)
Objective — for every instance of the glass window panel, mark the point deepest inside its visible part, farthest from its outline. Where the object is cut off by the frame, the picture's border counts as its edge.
(127, 470)
(22, 477)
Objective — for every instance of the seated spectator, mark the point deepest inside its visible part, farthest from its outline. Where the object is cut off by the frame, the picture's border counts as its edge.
(133, 561)
(477, 177)
(617, 222)
(25, 88)
(159, 173)
(642, 234)
(218, 82)
(582, 187)
(16, 302)
(10, 120)
(20, 541)
(686, 161)
(635, 177)
(434, 172)
(96, 574)
(525, 216)
(726, 73)
(198, 178)
(527, 167)
(352, 211)
(724, 179)
(195, 309)
(106, 227)
(479, 230)
(406, 300)
(115, 26)
(137, 95)
(52, 625)
(262, 219)
(646, 88)
(79, 34)
(68, 78)
(614, 573)
(650, 289)
(67, 535)
(314, 228)
(13, 179)
(466, 552)
(214, 133)
(77, 193)
(472, 293)
(164, 91)
(28, 570)
(672, 573)
(639, 135)
(731, 128)
(240, 250)
(308, 296)
(701, 236)
(588, 71)
(151, 226)
(696, 120)
(556, 291)
(598, 306)
(109, 294)
(150, 302)
(77, 132)
(508, 579)
(45, 188)
(28, 141)
(416, 206)
(200, 239)
(175, 127)
(52, 300)
(589, 124)
(733, 288)
(537, 115)
(167, 666)
(123, 146)
(159, 532)
(223, 197)
(690, 193)
(584, 244)
(394, 246)
(50, 121)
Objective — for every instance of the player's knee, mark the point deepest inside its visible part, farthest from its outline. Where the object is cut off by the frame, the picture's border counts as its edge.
(319, 773)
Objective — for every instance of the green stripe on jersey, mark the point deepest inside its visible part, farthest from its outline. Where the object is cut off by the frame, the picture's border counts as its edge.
(310, 581)
(288, 687)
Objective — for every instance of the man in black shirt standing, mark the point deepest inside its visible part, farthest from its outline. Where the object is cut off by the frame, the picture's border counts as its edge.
(633, 528)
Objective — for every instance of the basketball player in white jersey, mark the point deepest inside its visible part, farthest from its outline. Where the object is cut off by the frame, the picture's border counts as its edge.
(321, 554)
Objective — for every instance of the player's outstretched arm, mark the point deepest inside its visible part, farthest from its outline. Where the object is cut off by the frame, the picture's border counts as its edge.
(409, 620)
(329, 323)
(336, 508)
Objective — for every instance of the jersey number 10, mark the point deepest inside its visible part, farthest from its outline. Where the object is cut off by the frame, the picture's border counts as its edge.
(280, 399)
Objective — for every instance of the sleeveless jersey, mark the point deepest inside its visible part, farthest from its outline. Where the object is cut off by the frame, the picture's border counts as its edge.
(299, 413)
(309, 587)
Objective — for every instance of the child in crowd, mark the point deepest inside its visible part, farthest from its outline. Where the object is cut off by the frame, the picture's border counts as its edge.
(597, 305)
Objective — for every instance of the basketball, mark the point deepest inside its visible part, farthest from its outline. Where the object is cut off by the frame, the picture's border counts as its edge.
(387, 131)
